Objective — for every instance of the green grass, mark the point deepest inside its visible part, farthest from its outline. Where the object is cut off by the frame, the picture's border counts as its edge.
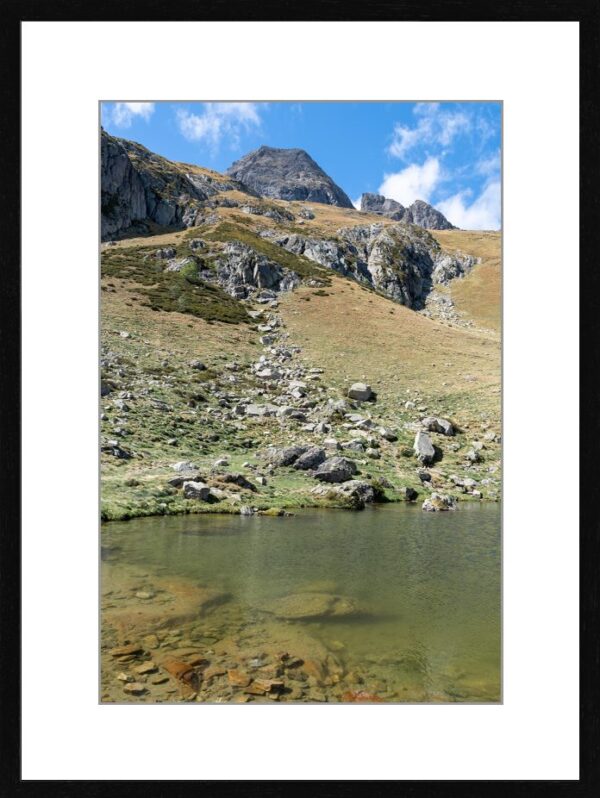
(182, 292)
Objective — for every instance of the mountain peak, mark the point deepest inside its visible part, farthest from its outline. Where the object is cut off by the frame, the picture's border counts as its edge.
(289, 174)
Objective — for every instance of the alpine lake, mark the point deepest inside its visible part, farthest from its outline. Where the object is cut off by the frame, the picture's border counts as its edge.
(391, 604)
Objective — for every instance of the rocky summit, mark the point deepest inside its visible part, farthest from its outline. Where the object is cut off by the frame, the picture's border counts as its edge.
(419, 213)
(289, 174)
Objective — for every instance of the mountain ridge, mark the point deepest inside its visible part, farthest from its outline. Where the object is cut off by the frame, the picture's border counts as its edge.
(419, 212)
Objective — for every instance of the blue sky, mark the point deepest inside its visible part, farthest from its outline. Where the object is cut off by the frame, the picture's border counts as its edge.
(445, 153)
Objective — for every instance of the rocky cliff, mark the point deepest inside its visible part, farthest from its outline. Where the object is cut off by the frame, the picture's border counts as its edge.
(419, 213)
(402, 261)
(140, 189)
(289, 174)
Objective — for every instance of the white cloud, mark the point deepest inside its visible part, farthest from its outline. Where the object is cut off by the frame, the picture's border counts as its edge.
(482, 214)
(414, 182)
(356, 202)
(490, 165)
(434, 127)
(218, 121)
(123, 114)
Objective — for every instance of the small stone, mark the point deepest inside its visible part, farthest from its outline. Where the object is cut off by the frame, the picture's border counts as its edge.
(147, 667)
(126, 651)
(134, 688)
(238, 678)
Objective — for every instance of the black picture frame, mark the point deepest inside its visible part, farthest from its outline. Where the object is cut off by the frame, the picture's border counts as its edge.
(12, 14)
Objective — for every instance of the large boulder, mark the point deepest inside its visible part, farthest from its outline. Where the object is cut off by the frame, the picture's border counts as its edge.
(310, 459)
(360, 391)
(336, 469)
(423, 448)
(196, 490)
(439, 503)
(285, 456)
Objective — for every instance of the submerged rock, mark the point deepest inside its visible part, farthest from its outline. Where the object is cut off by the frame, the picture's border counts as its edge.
(303, 606)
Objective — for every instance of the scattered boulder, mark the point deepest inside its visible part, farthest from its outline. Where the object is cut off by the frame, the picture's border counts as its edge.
(286, 456)
(423, 448)
(198, 365)
(336, 469)
(310, 459)
(441, 425)
(388, 434)
(408, 494)
(239, 480)
(473, 456)
(360, 391)
(261, 410)
(196, 490)
(184, 465)
(439, 503)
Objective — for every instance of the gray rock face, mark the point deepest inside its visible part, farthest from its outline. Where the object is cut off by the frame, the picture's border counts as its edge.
(138, 186)
(289, 174)
(419, 213)
(123, 198)
(424, 215)
(423, 448)
(241, 270)
(376, 203)
(336, 469)
(401, 260)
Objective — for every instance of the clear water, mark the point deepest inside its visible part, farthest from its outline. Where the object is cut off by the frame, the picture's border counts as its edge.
(430, 583)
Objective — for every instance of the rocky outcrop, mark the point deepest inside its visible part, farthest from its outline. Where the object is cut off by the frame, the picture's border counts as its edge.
(138, 187)
(419, 213)
(382, 206)
(424, 215)
(401, 260)
(288, 174)
(240, 271)
(123, 198)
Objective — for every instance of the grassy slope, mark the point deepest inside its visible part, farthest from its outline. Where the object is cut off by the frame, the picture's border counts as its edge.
(478, 295)
(351, 332)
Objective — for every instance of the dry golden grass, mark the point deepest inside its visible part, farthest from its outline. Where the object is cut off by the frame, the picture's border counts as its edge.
(355, 334)
(182, 334)
(479, 294)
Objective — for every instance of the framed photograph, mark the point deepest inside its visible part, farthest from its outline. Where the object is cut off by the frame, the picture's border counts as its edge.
(297, 354)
